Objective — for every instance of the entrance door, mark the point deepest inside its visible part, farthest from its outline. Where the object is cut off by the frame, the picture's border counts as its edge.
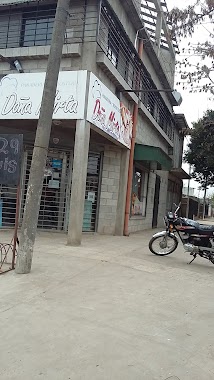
(53, 197)
(56, 191)
(156, 202)
(92, 192)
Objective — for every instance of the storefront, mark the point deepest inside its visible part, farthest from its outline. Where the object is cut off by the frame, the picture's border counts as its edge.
(111, 124)
(55, 199)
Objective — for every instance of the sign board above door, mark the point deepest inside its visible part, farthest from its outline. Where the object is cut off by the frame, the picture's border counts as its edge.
(21, 95)
(107, 113)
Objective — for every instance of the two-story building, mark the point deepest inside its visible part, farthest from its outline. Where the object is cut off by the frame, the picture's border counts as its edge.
(112, 49)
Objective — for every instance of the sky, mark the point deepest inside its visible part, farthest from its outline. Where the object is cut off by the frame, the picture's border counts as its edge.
(193, 105)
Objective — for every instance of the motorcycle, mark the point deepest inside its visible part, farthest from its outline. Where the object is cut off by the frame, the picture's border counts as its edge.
(197, 239)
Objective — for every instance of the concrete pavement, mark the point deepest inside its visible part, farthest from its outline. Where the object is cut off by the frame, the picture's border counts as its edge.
(108, 310)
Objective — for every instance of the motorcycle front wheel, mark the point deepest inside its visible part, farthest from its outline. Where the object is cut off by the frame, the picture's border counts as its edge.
(163, 245)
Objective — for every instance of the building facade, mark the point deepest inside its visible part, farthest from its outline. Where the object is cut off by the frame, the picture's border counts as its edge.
(101, 69)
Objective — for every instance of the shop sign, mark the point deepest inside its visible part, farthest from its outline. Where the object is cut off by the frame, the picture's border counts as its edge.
(107, 113)
(21, 95)
(10, 159)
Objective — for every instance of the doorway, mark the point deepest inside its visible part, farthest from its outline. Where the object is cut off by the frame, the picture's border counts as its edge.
(156, 202)
(54, 191)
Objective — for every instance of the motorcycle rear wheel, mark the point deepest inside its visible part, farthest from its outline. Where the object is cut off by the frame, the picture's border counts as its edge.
(170, 241)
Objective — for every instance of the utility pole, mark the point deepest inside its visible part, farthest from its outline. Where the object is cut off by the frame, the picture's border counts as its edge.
(204, 200)
(188, 190)
(32, 205)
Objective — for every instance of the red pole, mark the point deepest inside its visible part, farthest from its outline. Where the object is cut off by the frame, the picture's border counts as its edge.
(16, 225)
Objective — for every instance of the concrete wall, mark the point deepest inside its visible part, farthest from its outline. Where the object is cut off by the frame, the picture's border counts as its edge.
(124, 18)
(109, 190)
(177, 150)
(148, 135)
(163, 196)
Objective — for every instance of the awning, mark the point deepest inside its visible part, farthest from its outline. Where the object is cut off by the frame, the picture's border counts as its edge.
(182, 124)
(180, 173)
(152, 154)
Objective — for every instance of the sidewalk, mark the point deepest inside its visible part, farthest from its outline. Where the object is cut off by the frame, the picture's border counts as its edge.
(108, 310)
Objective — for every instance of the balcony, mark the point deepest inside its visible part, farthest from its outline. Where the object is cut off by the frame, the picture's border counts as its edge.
(26, 31)
(115, 44)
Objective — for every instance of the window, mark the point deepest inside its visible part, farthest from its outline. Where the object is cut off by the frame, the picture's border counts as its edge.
(37, 27)
(113, 46)
(139, 192)
(27, 27)
(10, 27)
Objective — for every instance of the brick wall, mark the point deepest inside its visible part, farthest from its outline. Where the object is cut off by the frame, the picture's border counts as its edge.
(109, 190)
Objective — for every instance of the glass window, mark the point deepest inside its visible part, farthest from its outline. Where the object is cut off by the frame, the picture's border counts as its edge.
(27, 27)
(10, 27)
(38, 27)
(139, 192)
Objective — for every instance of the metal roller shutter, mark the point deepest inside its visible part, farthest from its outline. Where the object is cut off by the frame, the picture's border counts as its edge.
(92, 192)
(56, 189)
(56, 192)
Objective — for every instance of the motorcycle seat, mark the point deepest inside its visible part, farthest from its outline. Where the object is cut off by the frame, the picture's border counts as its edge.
(206, 228)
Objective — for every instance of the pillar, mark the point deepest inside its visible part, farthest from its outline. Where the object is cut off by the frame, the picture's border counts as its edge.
(79, 175)
(158, 32)
(121, 203)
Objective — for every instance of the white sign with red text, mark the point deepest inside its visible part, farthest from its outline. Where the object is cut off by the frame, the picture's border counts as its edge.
(107, 113)
(21, 95)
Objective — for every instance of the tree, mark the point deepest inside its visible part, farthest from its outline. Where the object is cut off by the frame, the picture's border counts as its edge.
(211, 199)
(196, 69)
(200, 153)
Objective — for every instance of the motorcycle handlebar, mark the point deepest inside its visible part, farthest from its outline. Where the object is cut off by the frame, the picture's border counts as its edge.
(177, 207)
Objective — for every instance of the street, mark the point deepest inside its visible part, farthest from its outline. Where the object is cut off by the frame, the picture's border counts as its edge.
(108, 310)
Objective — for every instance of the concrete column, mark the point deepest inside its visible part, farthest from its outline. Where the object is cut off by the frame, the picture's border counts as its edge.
(79, 175)
(158, 31)
(124, 162)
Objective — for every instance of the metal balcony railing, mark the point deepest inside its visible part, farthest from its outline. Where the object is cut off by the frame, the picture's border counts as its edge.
(115, 43)
(29, 26)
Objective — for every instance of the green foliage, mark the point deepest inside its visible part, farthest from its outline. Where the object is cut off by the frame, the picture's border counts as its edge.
(200, 152)
(195, 74)
(211, 199)
(185, 20)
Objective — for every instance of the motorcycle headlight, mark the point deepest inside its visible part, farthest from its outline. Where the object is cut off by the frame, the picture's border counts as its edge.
(171, 227)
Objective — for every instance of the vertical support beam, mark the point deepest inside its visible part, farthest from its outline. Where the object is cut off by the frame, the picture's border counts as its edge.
(62, 192)
(158, 31)
(79, 176)
(131, 156)
(120, 216)
(35, 184)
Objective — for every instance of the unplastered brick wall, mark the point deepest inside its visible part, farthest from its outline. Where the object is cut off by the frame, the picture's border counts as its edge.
(109, 190)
